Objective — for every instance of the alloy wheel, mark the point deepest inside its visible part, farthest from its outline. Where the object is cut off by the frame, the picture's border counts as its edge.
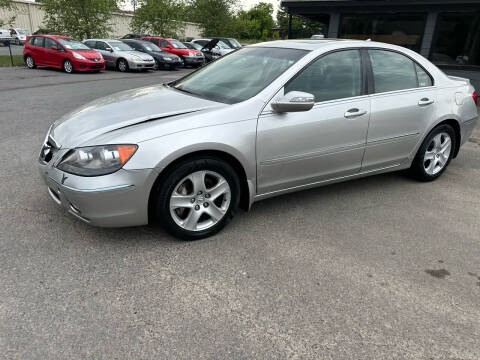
(122, 65)
(437, 153)
(67, 66)
(29, 61)
(200, 200)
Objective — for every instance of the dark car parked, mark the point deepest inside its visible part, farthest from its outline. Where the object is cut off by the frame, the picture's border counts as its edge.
(163, 59)
(134, 36)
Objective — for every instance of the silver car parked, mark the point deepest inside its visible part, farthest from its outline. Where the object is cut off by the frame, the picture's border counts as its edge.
(121, 56)
(269, 119)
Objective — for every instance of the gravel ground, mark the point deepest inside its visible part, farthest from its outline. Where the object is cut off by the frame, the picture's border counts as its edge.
(377, 268)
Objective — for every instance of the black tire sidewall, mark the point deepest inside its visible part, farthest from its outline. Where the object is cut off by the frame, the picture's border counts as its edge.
(418, 169)
(169, 181)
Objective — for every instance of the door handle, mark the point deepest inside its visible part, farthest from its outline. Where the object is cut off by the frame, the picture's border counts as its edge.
(353, 113)
(425, 101)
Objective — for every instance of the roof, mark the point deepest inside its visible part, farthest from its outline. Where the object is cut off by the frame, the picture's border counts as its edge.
(304, 44)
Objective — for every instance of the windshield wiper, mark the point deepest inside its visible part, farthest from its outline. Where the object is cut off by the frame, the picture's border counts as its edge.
(186, 91)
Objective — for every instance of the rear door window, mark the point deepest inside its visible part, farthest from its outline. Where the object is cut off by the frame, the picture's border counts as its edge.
(392, 71)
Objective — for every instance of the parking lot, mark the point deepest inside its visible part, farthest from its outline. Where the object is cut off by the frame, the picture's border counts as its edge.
(382, 267)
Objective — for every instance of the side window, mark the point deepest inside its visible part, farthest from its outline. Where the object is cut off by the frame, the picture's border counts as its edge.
(49, 43)
(31, 41)
(38, 41)
(90, 44)
(392, 71)
(100, 45)
(333, 76)
(423, 78)
(163, 43)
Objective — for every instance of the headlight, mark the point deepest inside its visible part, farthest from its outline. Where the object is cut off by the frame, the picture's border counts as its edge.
(191, 53)
(101, 56)
(78, 56)
(96, 160)
(167, 58)
(135, 58)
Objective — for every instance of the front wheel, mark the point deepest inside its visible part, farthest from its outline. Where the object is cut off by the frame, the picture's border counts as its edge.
(197, 198)
(434, 154)
(30, 62)
(122, 65)
(68, 66)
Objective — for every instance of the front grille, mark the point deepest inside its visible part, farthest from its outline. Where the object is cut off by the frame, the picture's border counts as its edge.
(96, 60)
(198, 54)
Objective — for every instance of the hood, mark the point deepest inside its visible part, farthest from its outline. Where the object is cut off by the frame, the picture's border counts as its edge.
(89, 54)
(140, 54)
(124, 109)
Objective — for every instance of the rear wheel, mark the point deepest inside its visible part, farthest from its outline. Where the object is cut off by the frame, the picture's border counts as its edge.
(122, 65)
(434, 154)
(30, 62)
(68, 66)
(197, 198)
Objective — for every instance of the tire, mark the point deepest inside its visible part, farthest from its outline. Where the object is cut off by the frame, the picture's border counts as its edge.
(122, 65)
(217, 194)
(68, 66)
(183, 65)
(29, 62)
(435, 154)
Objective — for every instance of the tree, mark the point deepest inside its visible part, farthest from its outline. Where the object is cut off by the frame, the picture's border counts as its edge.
(256, 23)
(159, 17)
(301, 27)
(215, 16)
(7, 5)
(79, 18)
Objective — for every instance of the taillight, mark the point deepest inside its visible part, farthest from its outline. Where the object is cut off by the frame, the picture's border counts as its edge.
(475, 97)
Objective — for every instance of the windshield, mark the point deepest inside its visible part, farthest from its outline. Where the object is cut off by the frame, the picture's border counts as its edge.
(151, 47)
(222, 45)
(196, 46)
(235, 43)
(240, 75)
(177, 44)
(22, 32)
(120, 46)
(73, 44)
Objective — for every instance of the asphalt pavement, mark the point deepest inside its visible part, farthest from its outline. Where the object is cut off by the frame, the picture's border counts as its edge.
(378, 268)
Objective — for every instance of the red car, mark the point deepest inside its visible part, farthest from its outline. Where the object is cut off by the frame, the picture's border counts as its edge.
(195, 58)
(61, 52)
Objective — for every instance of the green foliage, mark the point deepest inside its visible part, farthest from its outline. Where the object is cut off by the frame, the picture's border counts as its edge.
(301, 27)
(79, 18)
(256, 23)
(215, 16)
(159, 17)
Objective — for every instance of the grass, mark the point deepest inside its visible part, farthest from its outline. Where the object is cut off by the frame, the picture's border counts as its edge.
(6, 62)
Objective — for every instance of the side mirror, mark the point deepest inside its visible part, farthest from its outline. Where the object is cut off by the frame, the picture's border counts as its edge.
(169, 46)
(294, 101)
(54, 47)
(109, 49)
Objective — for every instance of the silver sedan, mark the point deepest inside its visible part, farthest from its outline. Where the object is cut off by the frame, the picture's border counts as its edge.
(121, 56)
(269, 119)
